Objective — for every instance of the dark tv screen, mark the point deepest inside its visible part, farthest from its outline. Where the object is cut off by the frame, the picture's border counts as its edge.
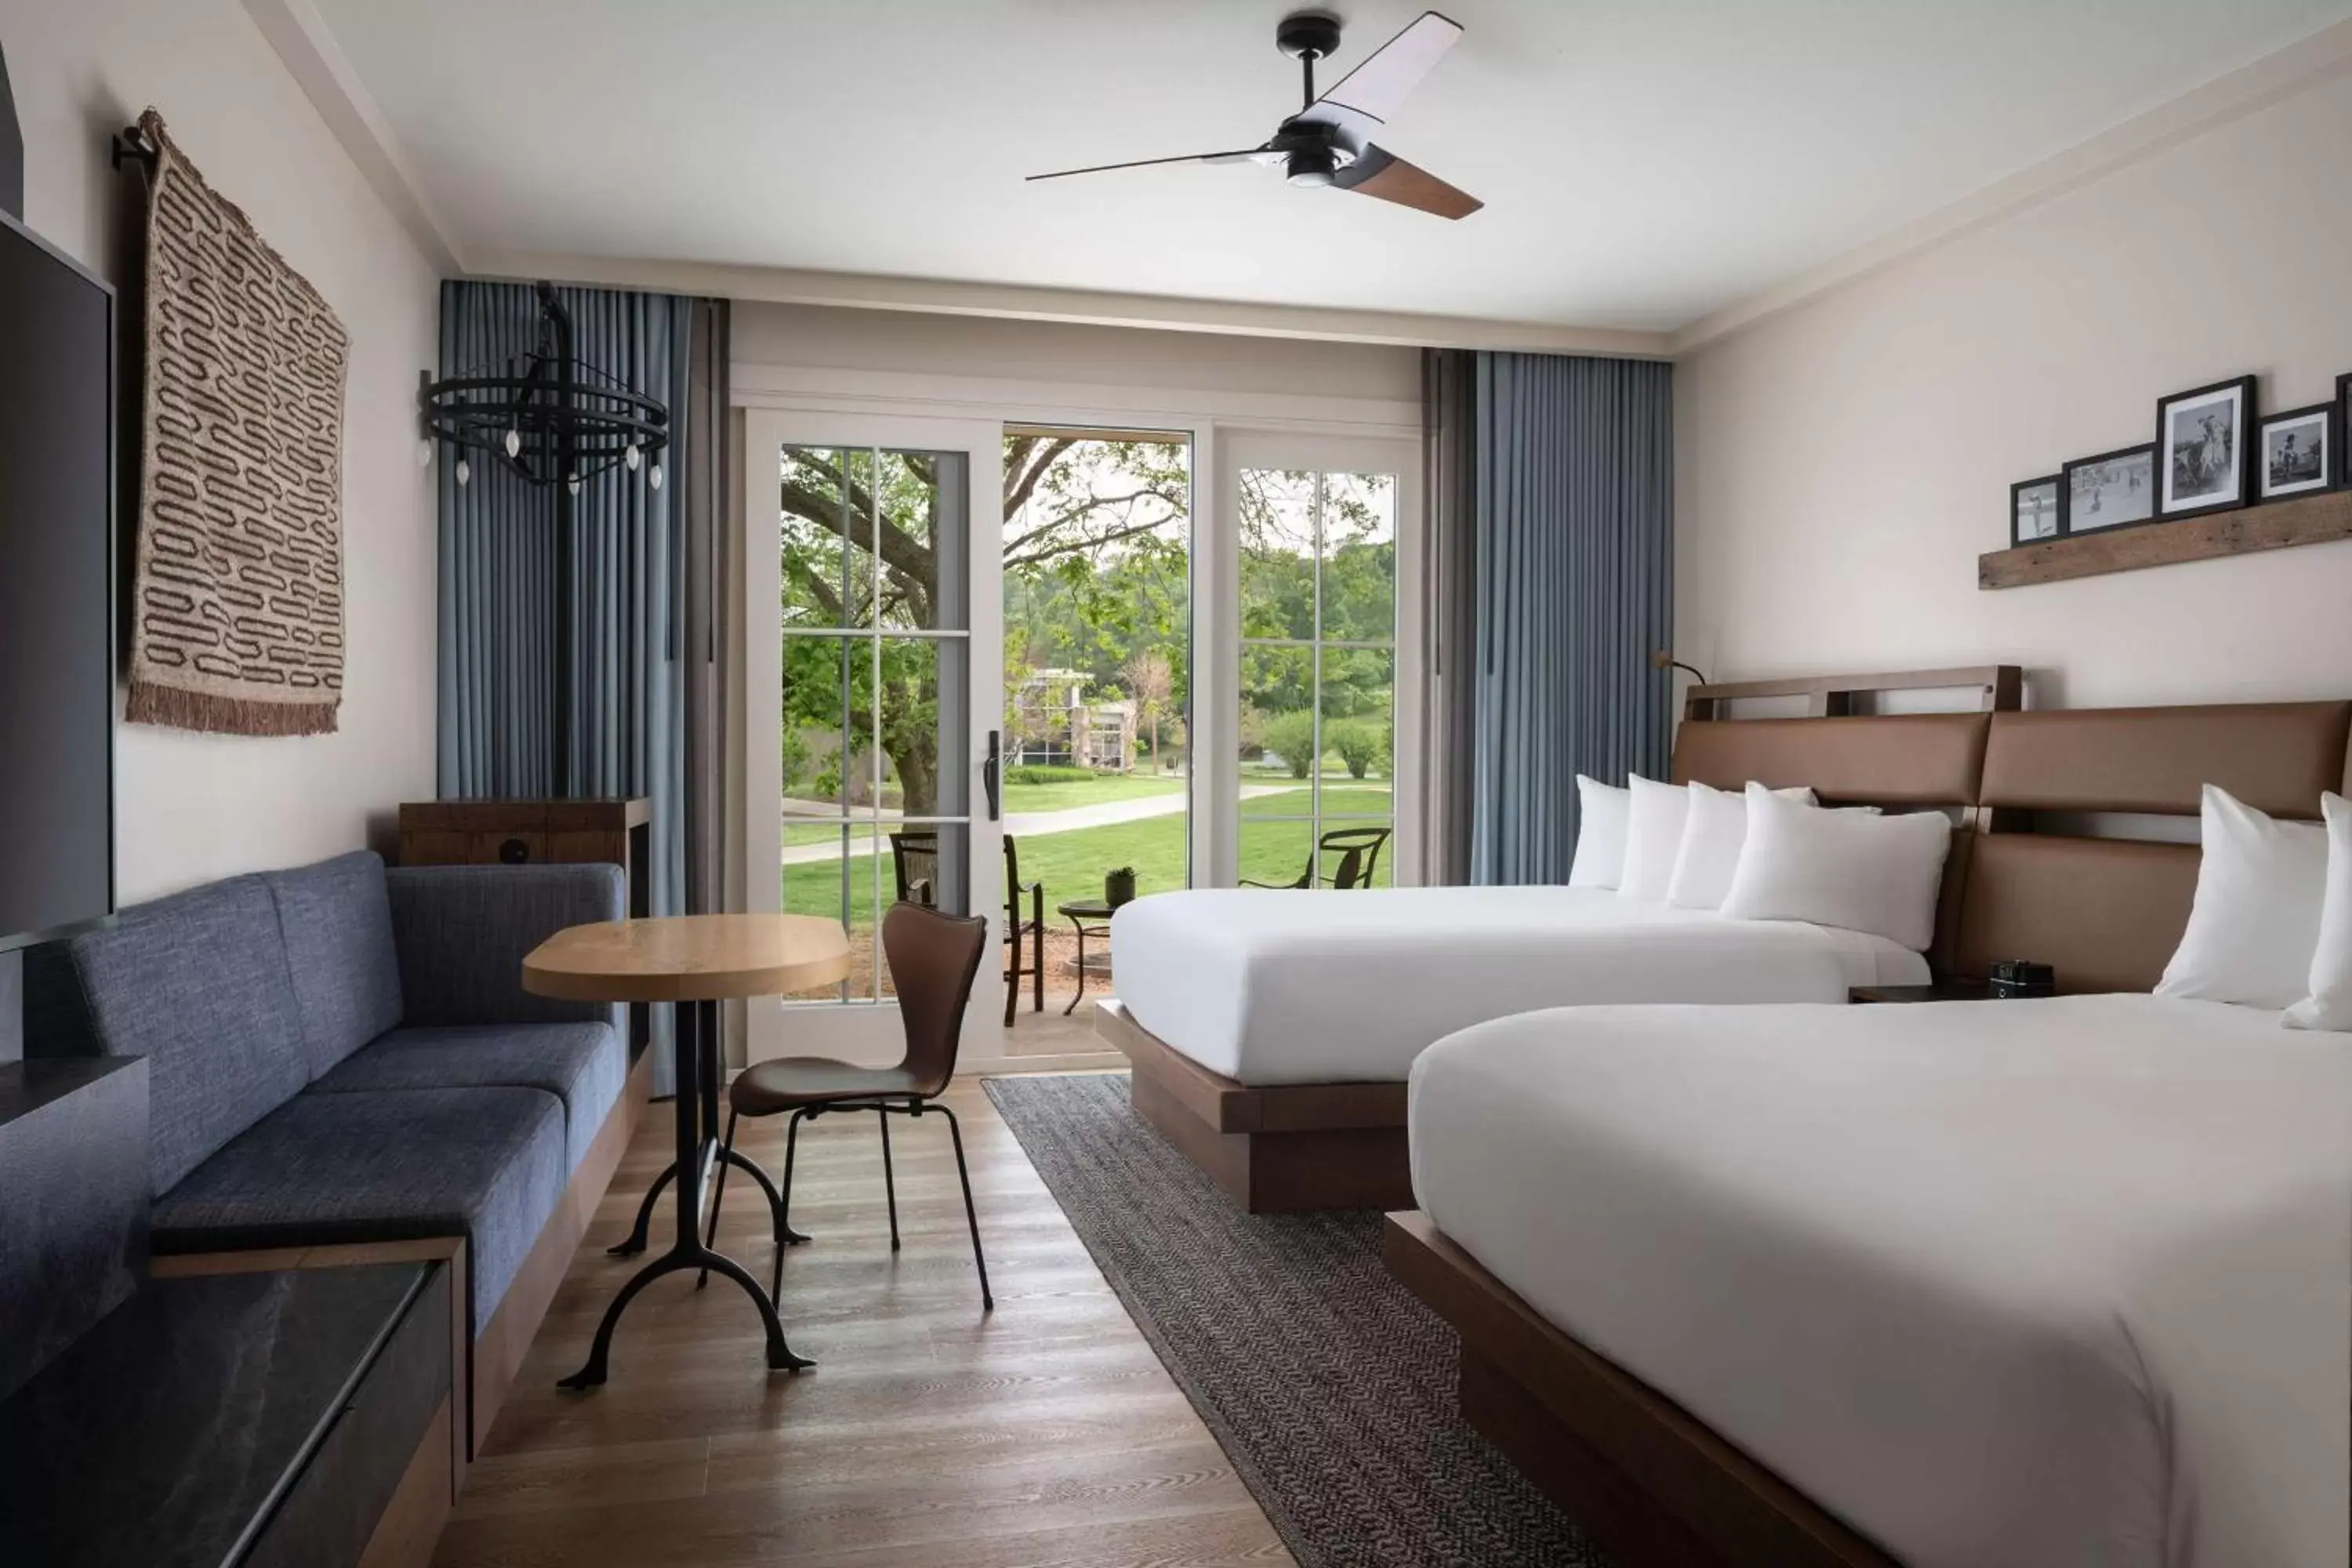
(56, 606)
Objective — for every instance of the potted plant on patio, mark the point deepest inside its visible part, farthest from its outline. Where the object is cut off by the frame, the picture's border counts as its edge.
(1118, 887)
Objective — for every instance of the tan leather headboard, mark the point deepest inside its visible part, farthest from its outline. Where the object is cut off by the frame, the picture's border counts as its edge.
(2278, 757)
(2109, 911)
(1894, 758)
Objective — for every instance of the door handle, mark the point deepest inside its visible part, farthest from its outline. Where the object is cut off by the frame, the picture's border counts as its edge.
(990, 772)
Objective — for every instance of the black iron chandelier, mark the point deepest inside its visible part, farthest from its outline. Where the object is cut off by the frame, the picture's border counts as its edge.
(547, 415)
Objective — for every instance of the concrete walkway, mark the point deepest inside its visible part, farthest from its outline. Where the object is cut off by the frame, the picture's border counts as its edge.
(1035, 824)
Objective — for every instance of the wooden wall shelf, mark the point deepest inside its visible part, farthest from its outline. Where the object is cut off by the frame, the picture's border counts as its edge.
(2307, 520)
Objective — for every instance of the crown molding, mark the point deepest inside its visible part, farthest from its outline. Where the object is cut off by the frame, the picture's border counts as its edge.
(319, 66)
(867, 291)
(2319, 58)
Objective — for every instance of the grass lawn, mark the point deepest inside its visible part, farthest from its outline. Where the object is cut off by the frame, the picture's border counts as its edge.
(1089, 792)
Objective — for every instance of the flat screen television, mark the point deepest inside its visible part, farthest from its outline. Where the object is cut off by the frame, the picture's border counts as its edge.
(57, 592)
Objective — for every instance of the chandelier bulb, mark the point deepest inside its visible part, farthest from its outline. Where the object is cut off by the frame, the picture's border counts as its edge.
(655, 475)
(514, 443)
(573, 484)
(425, 451)
(465, 472)
(635, 456)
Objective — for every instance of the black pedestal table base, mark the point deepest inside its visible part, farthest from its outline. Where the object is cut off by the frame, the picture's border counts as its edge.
(696, 1045)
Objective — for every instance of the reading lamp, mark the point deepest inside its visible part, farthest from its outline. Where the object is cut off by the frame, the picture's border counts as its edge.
(1664, 658)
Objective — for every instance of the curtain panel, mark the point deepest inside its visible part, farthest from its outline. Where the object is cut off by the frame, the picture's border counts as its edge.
(644, 661)
(1449, 615)
(1573, 543)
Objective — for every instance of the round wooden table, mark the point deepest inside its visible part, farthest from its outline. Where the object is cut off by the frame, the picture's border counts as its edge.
(694, 963)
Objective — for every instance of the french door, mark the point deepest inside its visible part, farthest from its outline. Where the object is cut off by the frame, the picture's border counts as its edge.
(874, 676)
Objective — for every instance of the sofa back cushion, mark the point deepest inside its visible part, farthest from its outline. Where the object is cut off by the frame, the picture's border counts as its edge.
(462, 932)
(197, 985)
(338, 930)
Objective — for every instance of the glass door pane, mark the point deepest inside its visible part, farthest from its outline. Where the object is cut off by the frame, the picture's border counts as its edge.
(874, 599)
(1316, 754)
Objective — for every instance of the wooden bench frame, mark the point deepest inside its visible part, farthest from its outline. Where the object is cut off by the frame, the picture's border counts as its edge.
(490, 1361)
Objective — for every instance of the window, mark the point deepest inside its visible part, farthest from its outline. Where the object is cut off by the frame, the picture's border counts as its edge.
(1317, 734)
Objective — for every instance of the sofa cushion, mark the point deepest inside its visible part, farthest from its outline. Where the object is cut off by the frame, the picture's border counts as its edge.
(326, 1168)
(462, 932)
(582, 1065)
(197, 985)
(338, 933)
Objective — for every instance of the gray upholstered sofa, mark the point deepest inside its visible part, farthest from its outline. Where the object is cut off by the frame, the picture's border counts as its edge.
(344, 1054)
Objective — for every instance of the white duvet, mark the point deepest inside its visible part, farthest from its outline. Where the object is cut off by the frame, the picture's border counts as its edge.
(2054, 1284)
(1270, 987)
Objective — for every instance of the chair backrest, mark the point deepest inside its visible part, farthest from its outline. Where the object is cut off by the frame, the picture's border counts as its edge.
(1011, 882)
(1359, 849)
(934, 959)
(915, 862)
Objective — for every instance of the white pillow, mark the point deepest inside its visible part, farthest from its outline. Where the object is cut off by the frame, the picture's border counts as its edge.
(1654, 837)
(2254, 925)
(1712, 835)
(1844, 869)
(2329, 1005)
(1599, 833)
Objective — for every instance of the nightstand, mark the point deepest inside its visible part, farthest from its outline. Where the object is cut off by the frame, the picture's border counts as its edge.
(1940, 991)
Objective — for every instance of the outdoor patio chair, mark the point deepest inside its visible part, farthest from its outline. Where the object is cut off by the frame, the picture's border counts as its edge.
(1359, 849)
(915, 865)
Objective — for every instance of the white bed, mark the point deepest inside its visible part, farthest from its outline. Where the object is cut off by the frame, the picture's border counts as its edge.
(1277, 987)
(2056, 1284)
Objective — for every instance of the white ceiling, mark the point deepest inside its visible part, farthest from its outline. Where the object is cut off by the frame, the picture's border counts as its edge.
(1644, 163)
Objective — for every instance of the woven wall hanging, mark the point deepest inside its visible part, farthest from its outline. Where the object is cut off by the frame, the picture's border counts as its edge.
(238, 606)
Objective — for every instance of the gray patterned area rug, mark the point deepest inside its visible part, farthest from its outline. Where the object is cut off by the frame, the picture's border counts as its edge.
(1328, 1385)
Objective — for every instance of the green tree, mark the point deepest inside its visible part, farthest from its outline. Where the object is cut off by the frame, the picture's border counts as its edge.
(1291, 736)
(1087, 539)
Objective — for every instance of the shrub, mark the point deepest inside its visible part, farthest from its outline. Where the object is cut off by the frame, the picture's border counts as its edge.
(1359, 745)
(1048, 773)
(1292, 736)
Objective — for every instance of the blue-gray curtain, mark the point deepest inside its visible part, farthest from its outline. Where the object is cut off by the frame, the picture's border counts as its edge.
(497, 642)
(1572, 524)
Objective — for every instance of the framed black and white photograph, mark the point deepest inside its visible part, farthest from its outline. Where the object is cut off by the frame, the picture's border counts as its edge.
(2200, 448)
(2111, 489)
(2298, 451)
(2034, 511)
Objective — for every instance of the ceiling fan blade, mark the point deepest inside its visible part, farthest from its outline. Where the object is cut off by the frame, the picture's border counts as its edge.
(1242, 156)
(1369, 97)
(1380, 172)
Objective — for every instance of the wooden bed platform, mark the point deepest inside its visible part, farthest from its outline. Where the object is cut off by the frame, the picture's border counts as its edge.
(1648, 1481)
(1291, 1146)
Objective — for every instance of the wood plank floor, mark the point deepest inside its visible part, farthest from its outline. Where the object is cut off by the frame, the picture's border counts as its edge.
(928, 1433)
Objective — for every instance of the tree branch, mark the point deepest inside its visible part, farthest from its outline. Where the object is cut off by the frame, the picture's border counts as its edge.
(1020, 481)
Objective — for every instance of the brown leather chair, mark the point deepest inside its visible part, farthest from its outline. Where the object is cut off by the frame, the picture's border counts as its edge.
(934, 959)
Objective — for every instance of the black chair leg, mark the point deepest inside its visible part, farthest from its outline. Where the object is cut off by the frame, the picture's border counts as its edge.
(789, 1236)
(718, 1196)
(971, 1214)
(1013, 974)
(889, 1179)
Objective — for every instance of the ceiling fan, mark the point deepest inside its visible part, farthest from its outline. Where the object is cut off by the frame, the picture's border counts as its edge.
(1329, 140)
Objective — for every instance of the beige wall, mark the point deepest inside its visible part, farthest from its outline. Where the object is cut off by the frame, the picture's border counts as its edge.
(909, 344)
(190, 807)
(1842, 466)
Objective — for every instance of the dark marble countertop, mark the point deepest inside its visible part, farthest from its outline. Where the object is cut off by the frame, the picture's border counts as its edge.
(166, 1435)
